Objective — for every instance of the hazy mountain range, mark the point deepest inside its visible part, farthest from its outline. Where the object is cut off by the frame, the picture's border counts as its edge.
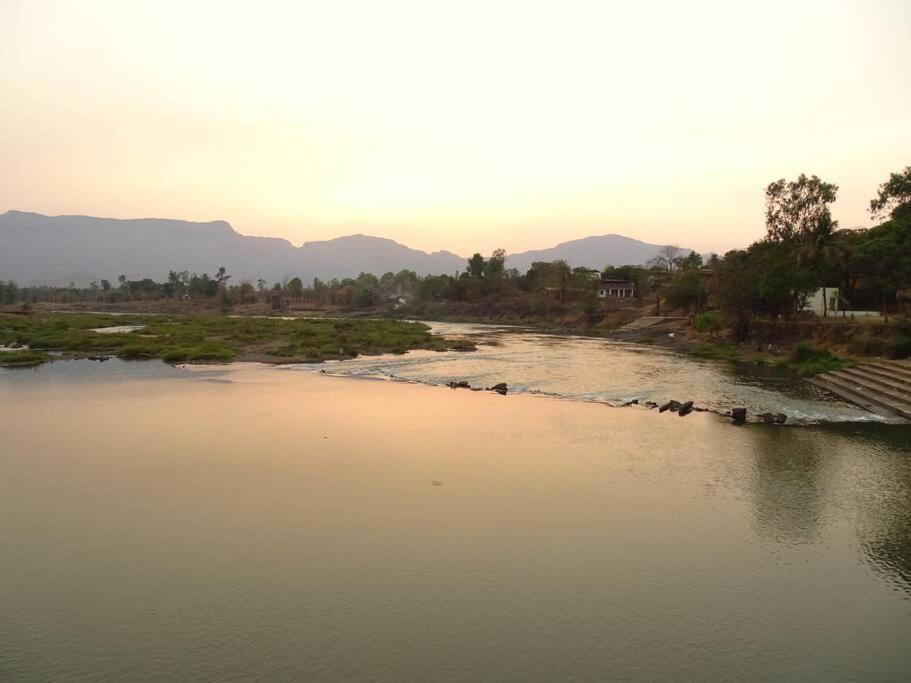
(37, 249)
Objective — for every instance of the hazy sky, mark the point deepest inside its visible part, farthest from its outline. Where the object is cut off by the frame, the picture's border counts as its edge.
(451, 125)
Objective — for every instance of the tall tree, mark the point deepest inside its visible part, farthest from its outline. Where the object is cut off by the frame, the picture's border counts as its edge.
(476, 266)
(668, 258)
(820, 251)
(795, 208)
(893, 193)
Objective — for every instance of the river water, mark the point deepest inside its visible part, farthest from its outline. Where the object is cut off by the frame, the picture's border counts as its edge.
(591, 369)
(269, 523)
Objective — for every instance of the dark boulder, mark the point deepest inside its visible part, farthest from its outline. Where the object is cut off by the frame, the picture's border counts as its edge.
(739, 415)
(673, 406)
(500, 388)
(780, 418)
(685, 409)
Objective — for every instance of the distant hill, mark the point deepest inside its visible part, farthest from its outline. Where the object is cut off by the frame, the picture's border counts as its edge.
(591, 252)
(60, 249)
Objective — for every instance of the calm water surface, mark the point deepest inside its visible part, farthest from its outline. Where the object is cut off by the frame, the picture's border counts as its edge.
(163, 523)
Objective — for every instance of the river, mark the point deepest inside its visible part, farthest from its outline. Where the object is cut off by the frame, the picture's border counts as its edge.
(600, 370)
(278, 523)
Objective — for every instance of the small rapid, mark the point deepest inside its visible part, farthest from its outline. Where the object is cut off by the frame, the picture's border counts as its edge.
(601, 370)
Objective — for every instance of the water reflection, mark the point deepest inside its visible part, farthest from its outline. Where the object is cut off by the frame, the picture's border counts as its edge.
(788, 485)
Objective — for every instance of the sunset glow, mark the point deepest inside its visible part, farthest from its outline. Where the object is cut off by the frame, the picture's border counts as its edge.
(463, 126)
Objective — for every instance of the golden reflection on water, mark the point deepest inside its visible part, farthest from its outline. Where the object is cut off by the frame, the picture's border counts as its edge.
(254, 521)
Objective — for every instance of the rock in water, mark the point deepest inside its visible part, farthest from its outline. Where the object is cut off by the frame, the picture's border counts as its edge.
(685, 409)
(500, 388)
(739, 415)
(780, 418)
(673, 406)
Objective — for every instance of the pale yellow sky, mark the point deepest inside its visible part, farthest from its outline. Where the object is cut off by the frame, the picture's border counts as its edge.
(451, 125)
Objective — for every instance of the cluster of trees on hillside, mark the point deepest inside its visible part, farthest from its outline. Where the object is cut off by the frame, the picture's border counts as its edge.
(805, 249)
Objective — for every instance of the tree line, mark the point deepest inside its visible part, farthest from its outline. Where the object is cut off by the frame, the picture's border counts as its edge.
(803, 249)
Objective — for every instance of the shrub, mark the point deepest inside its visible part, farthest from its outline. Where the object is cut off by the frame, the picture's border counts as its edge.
(808, 360)
(898, 345)
(710, 321)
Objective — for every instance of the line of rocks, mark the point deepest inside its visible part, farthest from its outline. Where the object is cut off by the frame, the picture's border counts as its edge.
(500, 388)
(737, 415)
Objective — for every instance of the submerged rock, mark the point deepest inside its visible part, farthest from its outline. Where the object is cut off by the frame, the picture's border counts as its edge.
(673, 406)
(739, 415)
(633, 402)
(500, 388)
(685, 409)
(459, 385)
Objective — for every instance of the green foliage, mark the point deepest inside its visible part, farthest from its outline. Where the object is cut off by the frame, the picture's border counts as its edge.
(807, 360)
(710, 321)
(719, 351)
(898, 345)
(795, 208)
(895, 192)
(22, 359)
(220, 339)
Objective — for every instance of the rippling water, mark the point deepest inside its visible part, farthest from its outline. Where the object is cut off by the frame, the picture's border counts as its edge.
(602, 370)
(250, 522)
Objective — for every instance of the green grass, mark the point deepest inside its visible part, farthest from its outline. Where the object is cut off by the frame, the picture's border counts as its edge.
(178, 339)
(719, 351)
(22, 359)
(807, 360)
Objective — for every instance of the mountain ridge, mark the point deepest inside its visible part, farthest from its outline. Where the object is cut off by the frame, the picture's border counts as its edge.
(40, 249)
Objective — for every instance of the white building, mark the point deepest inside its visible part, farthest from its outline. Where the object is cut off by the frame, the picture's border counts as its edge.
(815, 304)
(619, 289)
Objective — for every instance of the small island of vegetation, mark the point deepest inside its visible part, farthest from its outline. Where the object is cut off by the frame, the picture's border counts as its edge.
(209, 339)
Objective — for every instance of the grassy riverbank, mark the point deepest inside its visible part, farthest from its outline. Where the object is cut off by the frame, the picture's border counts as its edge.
(181, 339)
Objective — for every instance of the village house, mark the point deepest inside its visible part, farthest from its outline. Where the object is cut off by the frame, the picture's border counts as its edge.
(616, 289)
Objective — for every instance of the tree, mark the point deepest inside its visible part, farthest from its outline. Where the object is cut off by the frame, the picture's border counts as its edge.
(667, 259)
(476, 266)
(295, 288)
(819, 250)
(221, 277)
(105, 285)
(122, 279)
(496, 265)
(893, 193)
(795, 208)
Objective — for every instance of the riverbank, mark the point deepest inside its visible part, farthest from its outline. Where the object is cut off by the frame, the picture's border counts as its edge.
(804, 347)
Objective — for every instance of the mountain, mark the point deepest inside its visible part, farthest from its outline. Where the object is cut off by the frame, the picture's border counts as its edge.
(57, 250)
(63, 249)
(591, 252)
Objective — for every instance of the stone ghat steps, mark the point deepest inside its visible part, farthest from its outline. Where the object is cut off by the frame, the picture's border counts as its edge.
(647, 321)
(882, 387)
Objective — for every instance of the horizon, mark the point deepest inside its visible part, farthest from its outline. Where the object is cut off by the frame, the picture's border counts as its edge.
(447, 129)
(340, 237)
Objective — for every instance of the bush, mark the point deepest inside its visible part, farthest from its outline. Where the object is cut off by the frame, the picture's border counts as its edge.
(898, 345)
(808, 360)
(710, 321)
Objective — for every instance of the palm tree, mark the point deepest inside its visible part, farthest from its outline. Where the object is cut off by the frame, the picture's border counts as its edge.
(819, 249)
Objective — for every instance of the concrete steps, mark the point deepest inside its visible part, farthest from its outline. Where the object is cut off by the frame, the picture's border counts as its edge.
(647, 321)
(882, 387)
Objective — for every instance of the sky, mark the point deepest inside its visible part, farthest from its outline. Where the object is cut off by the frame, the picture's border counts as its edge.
(460, 125)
